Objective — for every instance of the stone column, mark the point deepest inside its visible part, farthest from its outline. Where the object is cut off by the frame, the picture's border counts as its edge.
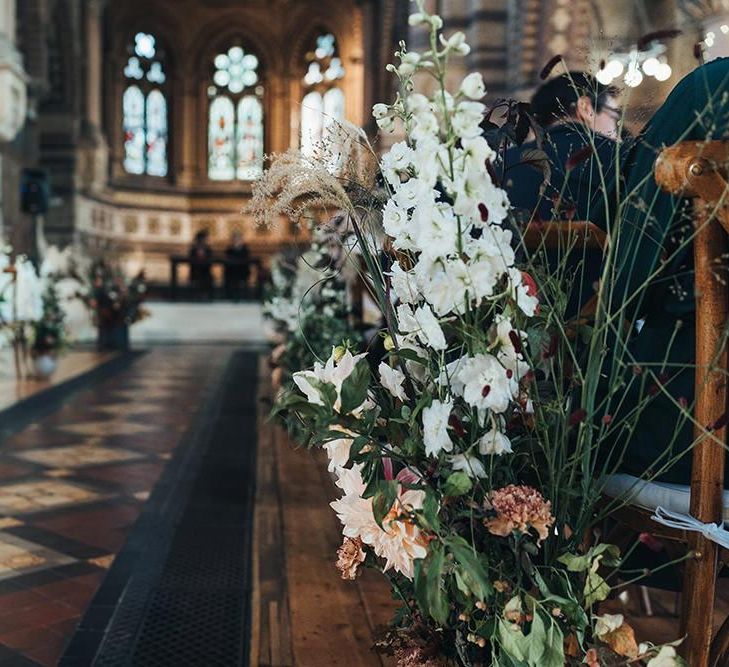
(487, 35)
(96, 148)
(13, 101)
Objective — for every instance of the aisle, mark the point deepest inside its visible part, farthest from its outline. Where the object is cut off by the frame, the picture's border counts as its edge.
(72, 484)
(303, 613)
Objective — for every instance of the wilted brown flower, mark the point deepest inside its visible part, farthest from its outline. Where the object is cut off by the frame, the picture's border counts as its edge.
(519, 508)
(349, 557)
(416, 656)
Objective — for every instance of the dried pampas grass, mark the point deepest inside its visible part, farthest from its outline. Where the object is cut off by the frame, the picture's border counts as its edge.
(339, 175)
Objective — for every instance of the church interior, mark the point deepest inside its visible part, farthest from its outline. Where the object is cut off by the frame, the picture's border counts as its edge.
(152, 512)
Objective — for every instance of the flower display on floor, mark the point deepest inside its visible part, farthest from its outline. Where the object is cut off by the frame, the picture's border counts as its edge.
(308, 305)
(462, 477)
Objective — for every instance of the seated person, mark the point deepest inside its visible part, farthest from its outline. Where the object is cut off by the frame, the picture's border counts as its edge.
(580, 117)
(200, 263)
(237, 268)
(653, 283)
(576, 112)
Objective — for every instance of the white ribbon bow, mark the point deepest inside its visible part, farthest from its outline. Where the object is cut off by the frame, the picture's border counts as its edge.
(711, 531)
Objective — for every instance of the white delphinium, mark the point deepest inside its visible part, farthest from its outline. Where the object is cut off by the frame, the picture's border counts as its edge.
(487, 385)
(473, 86)
(435, 427)
(471, 465)
(338, 453)
(494, 442)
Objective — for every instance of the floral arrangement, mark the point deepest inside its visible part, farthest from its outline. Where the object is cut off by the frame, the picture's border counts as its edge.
(49, 334)
(21, 296)
(113, 299)
(466, 454)
(308, 305)
(21, 289)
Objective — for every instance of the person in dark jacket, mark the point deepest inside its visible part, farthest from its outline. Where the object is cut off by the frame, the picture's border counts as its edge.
(200, 256)
(580, 118)
(237, 267)
(652, 286)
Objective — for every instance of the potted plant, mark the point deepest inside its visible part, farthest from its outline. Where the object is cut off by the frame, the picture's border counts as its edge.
(48, 335)
(116, 304)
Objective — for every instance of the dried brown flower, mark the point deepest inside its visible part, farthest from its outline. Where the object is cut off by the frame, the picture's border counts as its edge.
(519, 508)
(349, 557)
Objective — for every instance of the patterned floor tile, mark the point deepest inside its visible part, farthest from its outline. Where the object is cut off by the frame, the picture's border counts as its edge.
(107, 428)
(103, 561)
(77, 456)
(36, 495)
(129, 408)
(18, 556)
(72, 485)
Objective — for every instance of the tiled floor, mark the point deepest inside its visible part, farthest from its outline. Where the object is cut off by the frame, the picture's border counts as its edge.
(73, 483)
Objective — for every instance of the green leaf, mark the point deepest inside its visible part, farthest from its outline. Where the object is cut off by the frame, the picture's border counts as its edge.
(546, 642)
(596, 589)
(470, 568)
(357, 444)
(327, 392)
(457, 484)
(354, 387)
(429, 513)
(384, 499)
(429, 584)
(609, 552)
(512, 640)
(570, 607)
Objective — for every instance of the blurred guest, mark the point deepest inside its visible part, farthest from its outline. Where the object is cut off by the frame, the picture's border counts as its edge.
(580, 118)
(237, 267)
(653, 283)
(565, 178)
(201, 255)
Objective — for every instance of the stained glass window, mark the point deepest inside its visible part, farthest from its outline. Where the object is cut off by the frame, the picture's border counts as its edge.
(323, 100)
(249, 139)
(235, 123)
(156, 134)
(221, 147)
(144, 109)
(312, 121)
(134, 134)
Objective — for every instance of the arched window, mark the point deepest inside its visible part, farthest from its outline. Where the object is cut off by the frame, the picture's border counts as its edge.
(235, 121)
(144, 109)
(323, 101)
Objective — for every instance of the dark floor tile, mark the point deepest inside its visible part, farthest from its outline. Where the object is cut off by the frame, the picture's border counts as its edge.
(82, 647)
(14, 471)
(18, 660)
(61, 543)
(25, 628)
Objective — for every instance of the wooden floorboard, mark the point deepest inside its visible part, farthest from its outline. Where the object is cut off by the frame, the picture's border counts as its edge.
(304, 614)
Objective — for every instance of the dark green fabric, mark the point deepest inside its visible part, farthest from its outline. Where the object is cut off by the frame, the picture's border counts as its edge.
(575, 187)
(650, 235)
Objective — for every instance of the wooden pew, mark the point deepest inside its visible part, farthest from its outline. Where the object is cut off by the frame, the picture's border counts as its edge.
(695, 170)
(698, 170)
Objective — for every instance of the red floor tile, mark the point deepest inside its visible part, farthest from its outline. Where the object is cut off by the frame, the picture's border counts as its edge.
(33, 619)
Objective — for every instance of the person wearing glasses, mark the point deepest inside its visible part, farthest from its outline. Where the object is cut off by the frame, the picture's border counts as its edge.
(563, 176)
(580, 119)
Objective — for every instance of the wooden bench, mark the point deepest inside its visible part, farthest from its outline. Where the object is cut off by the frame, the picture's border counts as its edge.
(695, 170)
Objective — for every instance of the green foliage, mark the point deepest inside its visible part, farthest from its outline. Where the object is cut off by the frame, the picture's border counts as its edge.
(457, 484)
